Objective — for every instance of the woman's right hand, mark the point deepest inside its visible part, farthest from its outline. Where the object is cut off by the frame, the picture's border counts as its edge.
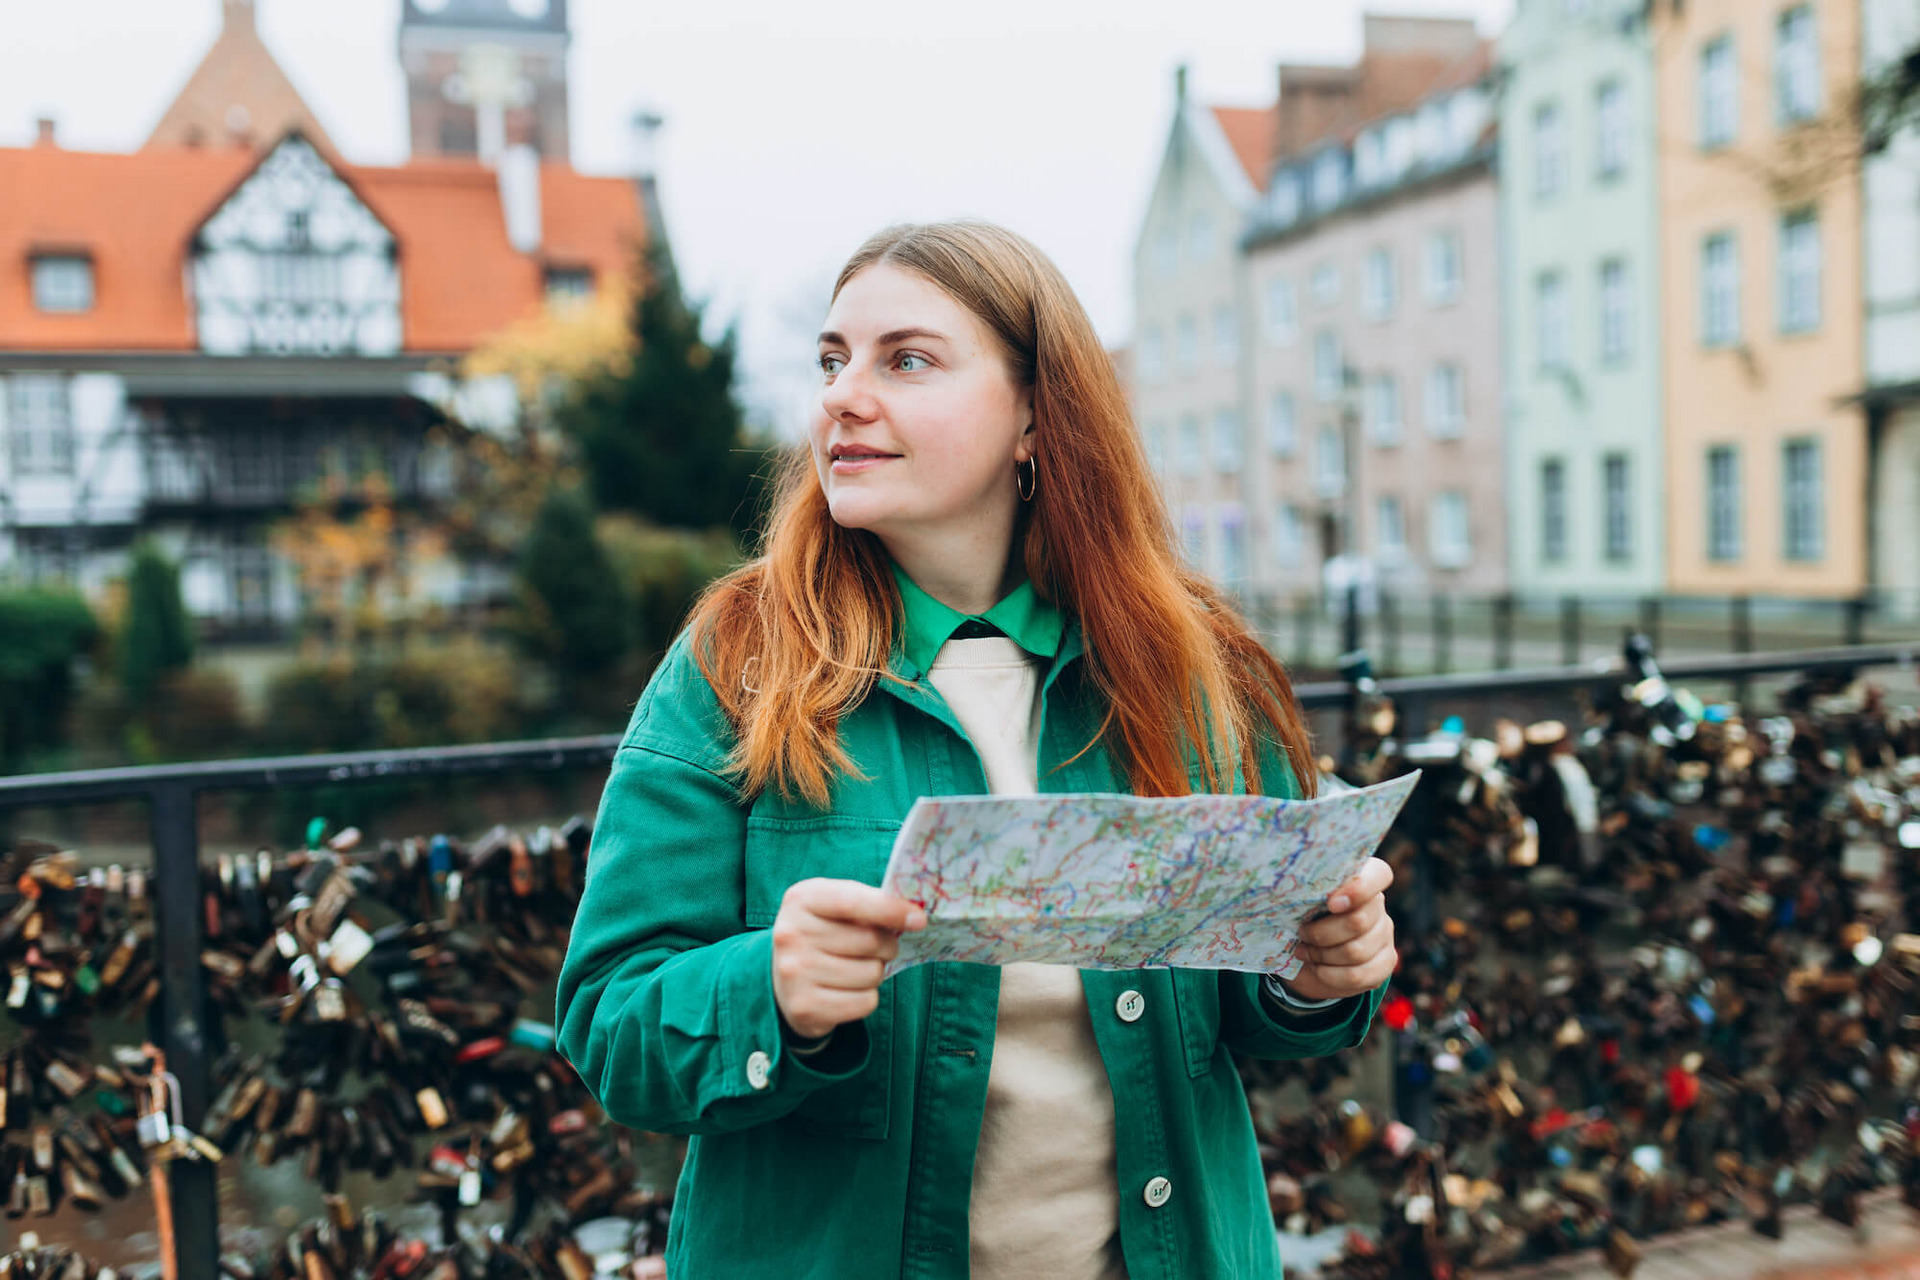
(831, 943)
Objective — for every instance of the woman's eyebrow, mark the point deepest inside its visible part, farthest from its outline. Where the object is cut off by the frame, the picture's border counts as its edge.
(887, 339)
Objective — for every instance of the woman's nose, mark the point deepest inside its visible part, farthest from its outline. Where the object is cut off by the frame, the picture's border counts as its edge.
(849, 395)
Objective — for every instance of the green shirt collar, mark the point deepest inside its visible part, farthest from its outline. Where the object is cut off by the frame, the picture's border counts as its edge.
(1022, 615)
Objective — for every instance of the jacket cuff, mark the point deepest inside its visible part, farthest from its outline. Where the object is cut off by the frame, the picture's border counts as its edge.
(755, 1054)
(1257, 1025)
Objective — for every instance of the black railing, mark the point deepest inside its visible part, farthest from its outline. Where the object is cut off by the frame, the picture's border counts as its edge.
(172, 791)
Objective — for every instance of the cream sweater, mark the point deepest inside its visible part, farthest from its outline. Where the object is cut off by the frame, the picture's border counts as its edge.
(1045, 1204)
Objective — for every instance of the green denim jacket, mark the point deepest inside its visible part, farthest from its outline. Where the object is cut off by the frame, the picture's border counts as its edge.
(856, 1163)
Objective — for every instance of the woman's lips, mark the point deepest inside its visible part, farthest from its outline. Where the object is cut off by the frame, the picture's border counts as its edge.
(852, 464)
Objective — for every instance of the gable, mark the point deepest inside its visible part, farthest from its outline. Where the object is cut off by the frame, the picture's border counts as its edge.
(294, 262)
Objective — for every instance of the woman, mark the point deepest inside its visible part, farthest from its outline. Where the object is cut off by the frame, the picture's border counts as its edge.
(968, 585)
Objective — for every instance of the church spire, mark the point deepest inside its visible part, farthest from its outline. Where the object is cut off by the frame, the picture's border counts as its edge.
(237, 95)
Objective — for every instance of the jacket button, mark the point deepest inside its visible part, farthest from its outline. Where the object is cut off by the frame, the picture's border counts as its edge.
(1130, 1006)
(759, 1066)
(1158, 1192)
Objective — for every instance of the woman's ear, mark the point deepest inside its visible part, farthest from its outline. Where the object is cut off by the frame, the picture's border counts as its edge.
(1023, 447)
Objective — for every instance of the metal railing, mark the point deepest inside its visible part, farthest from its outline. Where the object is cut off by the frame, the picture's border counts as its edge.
(172, 792)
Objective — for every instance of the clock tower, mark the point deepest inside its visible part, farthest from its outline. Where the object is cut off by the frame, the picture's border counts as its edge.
(484, 75)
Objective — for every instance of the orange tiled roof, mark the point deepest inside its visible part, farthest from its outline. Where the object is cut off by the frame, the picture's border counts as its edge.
(135, 214)
(1250, 132)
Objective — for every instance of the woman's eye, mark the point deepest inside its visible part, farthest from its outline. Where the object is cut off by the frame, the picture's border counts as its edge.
(920, 361)
(830, 365)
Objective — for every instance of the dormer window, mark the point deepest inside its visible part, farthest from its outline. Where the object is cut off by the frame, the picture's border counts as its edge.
(568, 284)
(63, 282)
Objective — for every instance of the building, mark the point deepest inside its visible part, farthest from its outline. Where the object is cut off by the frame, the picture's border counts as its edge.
(1890, 39)
(1375, 416)
(1190, 377)
(1579, 217)
(484, 75)
(275, 323)
(1762, 320)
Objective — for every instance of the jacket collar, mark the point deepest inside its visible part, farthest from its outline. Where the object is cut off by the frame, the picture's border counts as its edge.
(1034, 624)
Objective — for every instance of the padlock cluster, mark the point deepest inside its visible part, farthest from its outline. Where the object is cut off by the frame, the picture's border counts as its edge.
(31, 1260)
(1669, 981)
(75, 945)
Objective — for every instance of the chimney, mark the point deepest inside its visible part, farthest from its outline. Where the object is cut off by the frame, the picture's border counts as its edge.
(43, 132)
(236, 15)
(643, 143)
(518, 176)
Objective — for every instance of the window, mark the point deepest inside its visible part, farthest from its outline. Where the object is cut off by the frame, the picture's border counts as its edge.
(1156, 441)
(1370, 158)
(1329, 179)
(41, 424)
(1228, 450)
(1720, 291)
(1328, 375)
(1610, 141)
(1550, 319)
(1443, 267)
(63, 283)
(1804, 523)
(1283, 425)
(569, 284)
(1329, 463)
(1192, 452)
(1233, 545)
(1383, 409)
(1723, 503)
(1186, 342)
(1616, 506)
(1446, 401)
(1450, 532)
(1226, 336)
(1200, 237)
(1796, 67)
(1432, 135)
(306, 280)
(1390, 527)
(1284, 201)
(1166, 251)
(1616, 312)
(1193, 535)
(1153, 353)
(1553, 511)
(1719, 93)
(1326, 284)
(1289, 536)
(1549, 151)
(1283, 312)
(1800, 272)
(1380, 284)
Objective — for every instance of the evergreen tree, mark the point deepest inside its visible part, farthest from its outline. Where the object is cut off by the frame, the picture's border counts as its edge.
(157, 636)
(575, 615)
(662, 435)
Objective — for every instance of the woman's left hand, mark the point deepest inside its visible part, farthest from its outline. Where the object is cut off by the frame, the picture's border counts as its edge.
(1349, 950)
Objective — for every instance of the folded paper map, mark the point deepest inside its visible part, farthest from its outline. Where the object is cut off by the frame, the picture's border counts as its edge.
(1119, 882)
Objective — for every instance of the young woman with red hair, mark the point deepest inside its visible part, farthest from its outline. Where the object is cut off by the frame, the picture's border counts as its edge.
(969, 585)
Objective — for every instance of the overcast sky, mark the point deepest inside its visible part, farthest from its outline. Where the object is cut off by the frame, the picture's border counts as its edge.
(793, 129)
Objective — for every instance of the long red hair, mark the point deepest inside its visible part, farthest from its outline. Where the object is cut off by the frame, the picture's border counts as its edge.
(798, 636)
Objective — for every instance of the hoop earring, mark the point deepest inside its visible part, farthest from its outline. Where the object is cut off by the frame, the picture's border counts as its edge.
(1031, 476)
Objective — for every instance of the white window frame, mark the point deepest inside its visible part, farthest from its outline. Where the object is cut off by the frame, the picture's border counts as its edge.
(1724, 534)
(40, 424)
(1612, 127)
(1802, 504)
(1553, 510)
(1326, 283)
(1550, 320)
(1289, 536)
(1446, 401)
(1390, 527)
(1796, 66)
(1329, 462)
(62, 283)
(1801, 271)
(1718, 73)
(1381, 284)
(1328, 367)
(1616, 507)
(1282, 312)
(1229, 442)
(1549, 150)
(1226, 336)
(1615, 295)
(1231, 520)
(1720, 290)
(1384, 424)
(1450, 530)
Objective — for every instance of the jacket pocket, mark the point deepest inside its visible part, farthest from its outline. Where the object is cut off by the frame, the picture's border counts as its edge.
(1196, 998)
(781, 851)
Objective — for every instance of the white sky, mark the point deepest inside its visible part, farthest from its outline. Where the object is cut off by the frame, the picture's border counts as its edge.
(793, 129)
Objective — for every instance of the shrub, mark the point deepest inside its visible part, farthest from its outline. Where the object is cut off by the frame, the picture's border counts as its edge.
(44, 631)
(662, 571)
(156, 637)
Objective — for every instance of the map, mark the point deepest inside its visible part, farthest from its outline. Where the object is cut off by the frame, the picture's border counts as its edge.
(1119, 882)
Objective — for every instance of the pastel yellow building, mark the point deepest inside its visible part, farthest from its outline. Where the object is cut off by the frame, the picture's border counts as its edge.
(1759, 197)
